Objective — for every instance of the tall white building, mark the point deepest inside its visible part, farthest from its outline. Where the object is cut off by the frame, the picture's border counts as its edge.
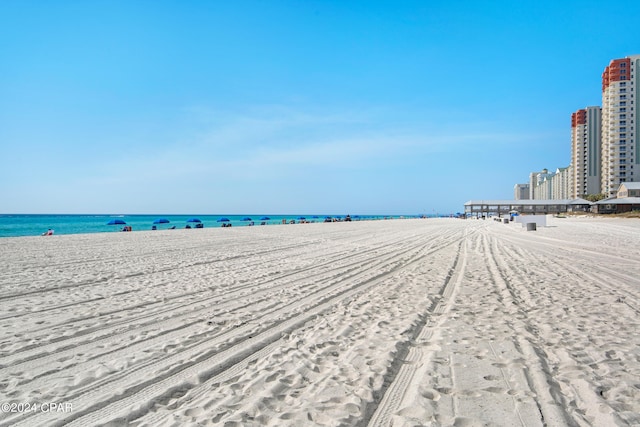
(551, 185)
(586, 144)
(560, 184)
(539, 186)
(620, 139)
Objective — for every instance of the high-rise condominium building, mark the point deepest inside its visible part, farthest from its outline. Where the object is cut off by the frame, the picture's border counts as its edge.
(521, 192)
(585, 152)
(620, 139)
(538, 185)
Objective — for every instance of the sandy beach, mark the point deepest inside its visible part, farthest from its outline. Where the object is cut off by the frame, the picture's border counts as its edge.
(416, 322)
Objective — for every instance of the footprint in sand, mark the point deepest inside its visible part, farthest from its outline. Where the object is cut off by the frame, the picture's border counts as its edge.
(273, 377)
(193, 412)
(491, 377)
(445, 390)
(431, 394)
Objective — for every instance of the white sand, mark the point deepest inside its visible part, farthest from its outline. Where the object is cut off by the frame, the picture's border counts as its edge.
(404, 323)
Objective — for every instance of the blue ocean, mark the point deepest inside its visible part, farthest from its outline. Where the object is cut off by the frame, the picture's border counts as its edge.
(35, 225)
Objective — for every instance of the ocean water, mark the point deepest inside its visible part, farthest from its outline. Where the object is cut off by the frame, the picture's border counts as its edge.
(35, 225)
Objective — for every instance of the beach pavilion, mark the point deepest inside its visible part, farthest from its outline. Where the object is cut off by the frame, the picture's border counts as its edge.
(499, 208)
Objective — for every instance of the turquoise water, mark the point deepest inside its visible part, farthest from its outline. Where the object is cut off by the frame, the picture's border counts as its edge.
(35, 225)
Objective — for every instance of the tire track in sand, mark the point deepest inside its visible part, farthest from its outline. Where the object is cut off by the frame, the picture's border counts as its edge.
(160, 384)
(405, 366)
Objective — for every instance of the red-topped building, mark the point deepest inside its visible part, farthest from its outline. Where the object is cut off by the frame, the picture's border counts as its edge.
(585, 152)
(620, 161)
(618, 70)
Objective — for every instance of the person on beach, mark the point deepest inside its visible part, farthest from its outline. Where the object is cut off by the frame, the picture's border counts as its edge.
(49, 232)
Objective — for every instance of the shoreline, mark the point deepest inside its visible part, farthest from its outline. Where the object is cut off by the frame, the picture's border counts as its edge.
(36, 225)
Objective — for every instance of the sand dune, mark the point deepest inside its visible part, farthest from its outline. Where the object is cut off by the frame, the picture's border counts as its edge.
(384, 323)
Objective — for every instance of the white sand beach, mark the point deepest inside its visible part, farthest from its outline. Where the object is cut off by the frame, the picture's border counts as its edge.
(416, 322)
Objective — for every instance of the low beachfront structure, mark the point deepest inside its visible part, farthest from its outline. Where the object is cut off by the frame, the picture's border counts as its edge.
(617, 205)
(531, 207)
(628, 189)
(627, 199)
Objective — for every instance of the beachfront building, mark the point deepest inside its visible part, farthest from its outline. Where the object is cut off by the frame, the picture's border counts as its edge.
(538, 185)
(628, 189)
(561, 184)
(586, 144)
(543, 189)
(620, 139)
(551, 185)
(521, 192)
(627, 199)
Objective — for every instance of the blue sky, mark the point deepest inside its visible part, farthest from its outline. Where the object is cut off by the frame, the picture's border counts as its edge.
(370, 107)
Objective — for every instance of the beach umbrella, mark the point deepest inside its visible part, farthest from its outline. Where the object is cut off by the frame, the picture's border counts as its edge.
(193, 220)
(161, 221)
(265, 218)
(223, 219)
(116, 222)
(246, 218)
